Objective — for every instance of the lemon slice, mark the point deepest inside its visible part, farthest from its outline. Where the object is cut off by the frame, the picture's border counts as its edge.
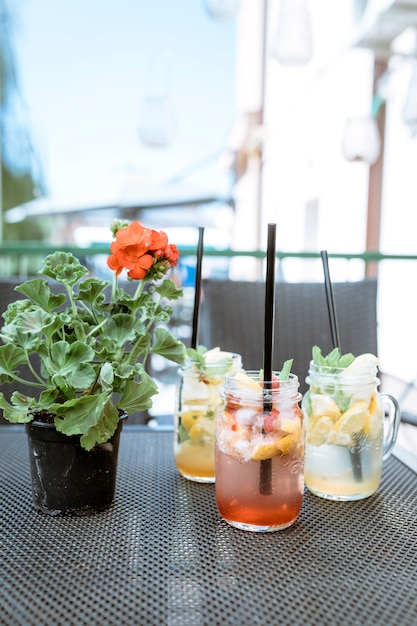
(373, 405)
(263, 451)
(342, 439)
(189, 418)
(215, 354)
(203, 427)
(321, 431)
(353, 420)
(372, 426)
(286, 443)
(363, 364)
(245, 381)
(324, 405)
(292, 426)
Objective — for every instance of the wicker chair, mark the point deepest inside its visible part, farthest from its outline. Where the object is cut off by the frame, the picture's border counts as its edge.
(232, 317)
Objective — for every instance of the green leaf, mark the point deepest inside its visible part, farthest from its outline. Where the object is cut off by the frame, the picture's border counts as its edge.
(39, 292)
(77, 416)
(121, 328)
(11, 357)
(23, 402)
(67, 356)
(286, 369)
(103, 430)
(333, 360)
(168, 289)
(346, 360)
(333, 357)
(14, 414)
(35, 322)
(318, 358)
(63, 267)
(126, 370)
(167, 346)
(91, 289)
(137, 396)
(307, 402)
(197, 356)
(73, 363)
(106, 377)
(14, 309)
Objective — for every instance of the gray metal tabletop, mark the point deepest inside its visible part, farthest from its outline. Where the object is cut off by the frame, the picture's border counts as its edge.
(162, 555)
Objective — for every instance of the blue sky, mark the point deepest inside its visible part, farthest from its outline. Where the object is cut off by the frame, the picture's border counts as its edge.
(83, 70)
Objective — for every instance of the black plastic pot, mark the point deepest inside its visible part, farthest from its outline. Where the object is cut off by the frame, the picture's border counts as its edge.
(66, 478)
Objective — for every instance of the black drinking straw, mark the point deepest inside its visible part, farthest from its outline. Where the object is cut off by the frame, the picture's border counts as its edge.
(334, 329)
(265, 486)
(197, 288)
(355, 455)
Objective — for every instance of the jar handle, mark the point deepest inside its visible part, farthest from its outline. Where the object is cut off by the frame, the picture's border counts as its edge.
(391, 423)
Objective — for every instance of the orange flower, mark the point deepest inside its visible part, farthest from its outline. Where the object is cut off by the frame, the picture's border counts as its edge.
(137, 248)
(159, 241)
(171, 254)
(162, 250)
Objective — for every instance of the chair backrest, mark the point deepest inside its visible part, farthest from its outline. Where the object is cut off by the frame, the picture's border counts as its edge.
(232, 317)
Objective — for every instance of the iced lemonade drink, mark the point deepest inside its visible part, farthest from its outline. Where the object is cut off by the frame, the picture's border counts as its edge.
(345, 414)
(198, 400)
(260, 453)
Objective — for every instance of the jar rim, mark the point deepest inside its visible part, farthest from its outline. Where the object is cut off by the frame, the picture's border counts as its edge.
(327, 372)
(233, 384)
(212, 367)
(255, 374)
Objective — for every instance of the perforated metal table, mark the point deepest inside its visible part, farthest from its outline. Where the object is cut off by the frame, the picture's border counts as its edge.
(162, 555)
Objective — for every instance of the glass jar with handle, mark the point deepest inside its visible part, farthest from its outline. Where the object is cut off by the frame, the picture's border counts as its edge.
(350, 429)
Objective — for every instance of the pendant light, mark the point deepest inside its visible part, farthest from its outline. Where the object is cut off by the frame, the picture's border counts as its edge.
(221, 9)
(157, 123)
(361, 140)
(294, 40)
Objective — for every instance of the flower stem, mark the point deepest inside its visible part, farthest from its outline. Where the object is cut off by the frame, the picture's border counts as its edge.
(139, 289)
(114, 287)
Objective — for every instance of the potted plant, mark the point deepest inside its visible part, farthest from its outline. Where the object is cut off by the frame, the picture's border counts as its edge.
(92, 339)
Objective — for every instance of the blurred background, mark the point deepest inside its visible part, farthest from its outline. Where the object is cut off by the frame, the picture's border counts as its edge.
(227, 114)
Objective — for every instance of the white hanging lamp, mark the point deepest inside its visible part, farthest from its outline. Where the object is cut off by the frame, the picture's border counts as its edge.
(409, 113)
(294, 39)
(157, 123)
(361, 140)
(221, 9)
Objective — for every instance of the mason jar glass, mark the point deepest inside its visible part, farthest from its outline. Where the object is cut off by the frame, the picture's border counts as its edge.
(260, 453)
(197, 402)
(350, 429)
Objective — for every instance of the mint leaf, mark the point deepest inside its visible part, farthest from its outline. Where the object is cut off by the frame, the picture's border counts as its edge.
(318, 358)
(346, 360)
(286, 369)
(333, 360)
